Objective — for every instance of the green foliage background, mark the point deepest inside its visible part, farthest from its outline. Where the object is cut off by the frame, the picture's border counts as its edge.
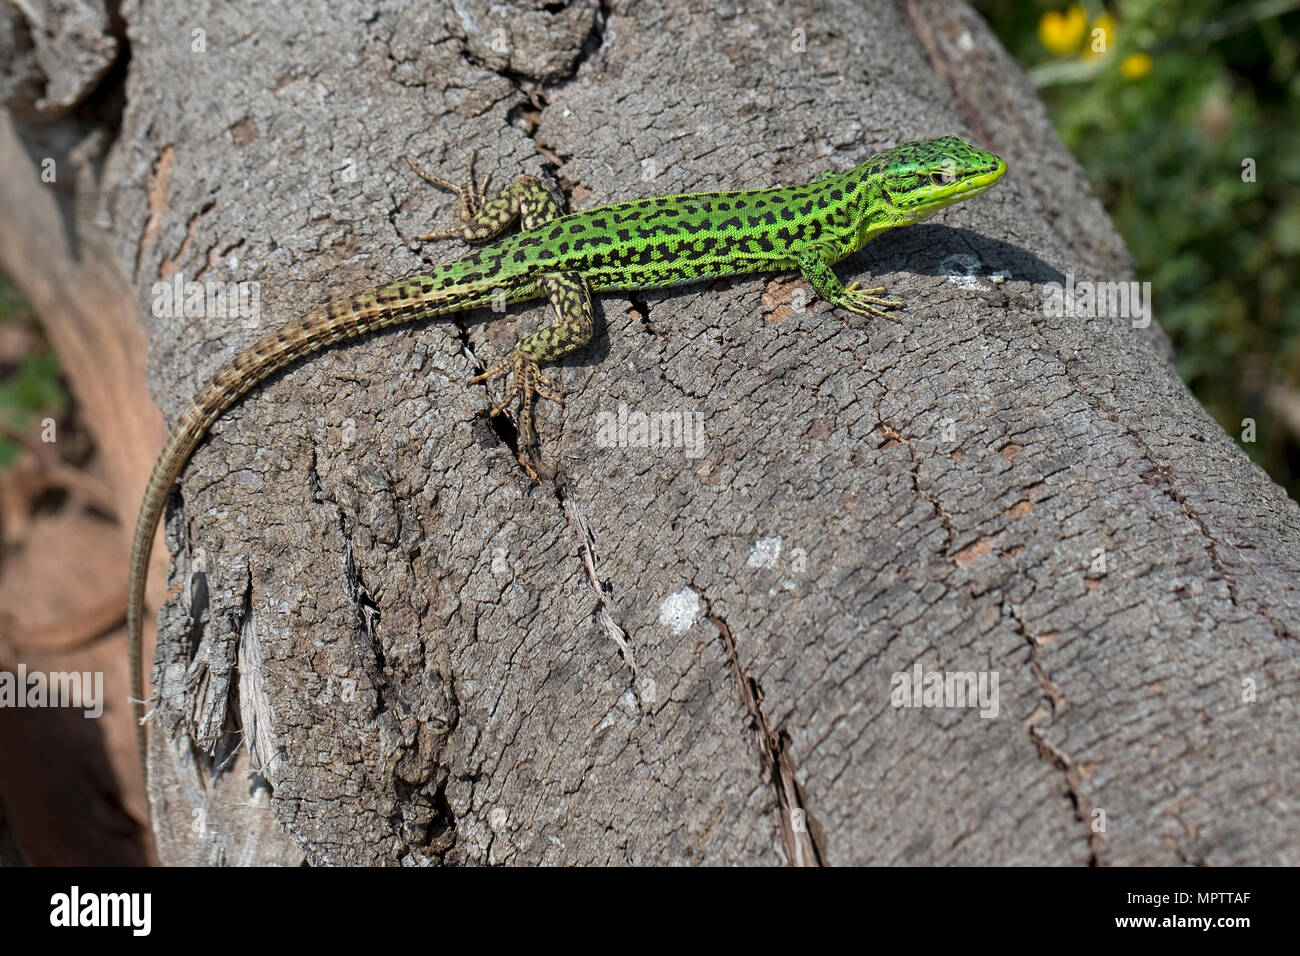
(30, 387)
(1164, 150)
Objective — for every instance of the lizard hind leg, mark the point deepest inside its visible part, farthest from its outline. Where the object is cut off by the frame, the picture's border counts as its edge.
(571, 299)
(481, 219)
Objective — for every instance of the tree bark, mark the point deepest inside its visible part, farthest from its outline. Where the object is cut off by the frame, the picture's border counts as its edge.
(684, 654)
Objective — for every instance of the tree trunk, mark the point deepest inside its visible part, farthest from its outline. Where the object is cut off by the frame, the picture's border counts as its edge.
(688, 653)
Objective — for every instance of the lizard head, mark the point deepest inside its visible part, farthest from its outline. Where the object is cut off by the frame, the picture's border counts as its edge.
(916, 180)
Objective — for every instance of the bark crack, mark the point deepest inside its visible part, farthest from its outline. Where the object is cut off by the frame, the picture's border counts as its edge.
(370, 651)
(577, 518)
(950, 532)
(1165, 474)
(1035, 723)
(1211, 548)
(800, 833)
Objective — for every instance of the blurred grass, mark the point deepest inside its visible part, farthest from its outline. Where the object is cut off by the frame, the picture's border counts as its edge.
(1184, 94)
(29, 383)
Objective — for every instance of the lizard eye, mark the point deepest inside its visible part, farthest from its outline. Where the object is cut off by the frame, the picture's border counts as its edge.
(937, 179)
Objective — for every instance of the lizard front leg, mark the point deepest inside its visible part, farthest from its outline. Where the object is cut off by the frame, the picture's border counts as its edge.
(526, 199)
(815, 264)
(571, 298)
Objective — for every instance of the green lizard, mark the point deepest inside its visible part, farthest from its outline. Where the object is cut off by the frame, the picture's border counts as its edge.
(643, 244)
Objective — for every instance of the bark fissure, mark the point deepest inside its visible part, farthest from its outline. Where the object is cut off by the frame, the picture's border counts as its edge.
(1166, 476)
(577, 519)
(950, 533)
(1046, 749)
(796, 823)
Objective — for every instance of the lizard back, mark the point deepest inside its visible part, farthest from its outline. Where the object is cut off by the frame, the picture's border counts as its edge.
(663, 241)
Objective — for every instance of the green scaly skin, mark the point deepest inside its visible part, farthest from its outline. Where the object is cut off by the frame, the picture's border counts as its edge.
(643, 244)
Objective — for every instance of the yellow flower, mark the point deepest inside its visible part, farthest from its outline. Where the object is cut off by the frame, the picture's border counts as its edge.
(1063, 32)
(1101, 38)
(1136, 65)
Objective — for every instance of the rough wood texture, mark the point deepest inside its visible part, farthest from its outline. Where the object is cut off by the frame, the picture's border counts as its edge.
(55, 53)
(656, 658)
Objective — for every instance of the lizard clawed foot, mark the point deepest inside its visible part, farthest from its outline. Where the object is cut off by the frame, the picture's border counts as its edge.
(867, 302)
(472, 198)
(529, 382)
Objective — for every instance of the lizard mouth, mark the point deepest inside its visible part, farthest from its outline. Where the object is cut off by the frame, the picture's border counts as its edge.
(982, 181)
(966, 187)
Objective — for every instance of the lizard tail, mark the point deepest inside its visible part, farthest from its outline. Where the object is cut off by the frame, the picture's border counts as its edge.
(402, 302)
(269, 354)
(184, 438)
(263, 358)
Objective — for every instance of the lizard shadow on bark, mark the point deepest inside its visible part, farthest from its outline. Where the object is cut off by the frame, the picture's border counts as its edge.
(930, 250)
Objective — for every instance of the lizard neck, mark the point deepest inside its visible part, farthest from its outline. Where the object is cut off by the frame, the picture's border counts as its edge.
(876, 211)
(854, 208)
